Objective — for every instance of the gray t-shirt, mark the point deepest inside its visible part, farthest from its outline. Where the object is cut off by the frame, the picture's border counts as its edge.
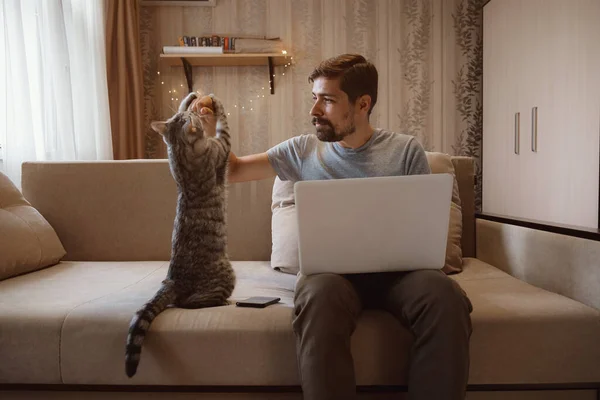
(386, 153)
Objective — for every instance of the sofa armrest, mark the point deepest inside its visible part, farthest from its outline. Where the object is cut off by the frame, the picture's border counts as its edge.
(557, 262)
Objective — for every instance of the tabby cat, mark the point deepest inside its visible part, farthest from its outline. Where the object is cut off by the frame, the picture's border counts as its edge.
(200, 274)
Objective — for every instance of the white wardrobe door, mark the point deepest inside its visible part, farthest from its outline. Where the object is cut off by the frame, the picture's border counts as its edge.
(566, 167)
(500, 99)
(533, 80)
(529, 78)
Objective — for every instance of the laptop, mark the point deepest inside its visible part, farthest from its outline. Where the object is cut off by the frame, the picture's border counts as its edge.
(381, 224)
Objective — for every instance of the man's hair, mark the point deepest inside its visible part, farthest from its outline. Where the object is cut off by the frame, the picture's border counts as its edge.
(357, 76)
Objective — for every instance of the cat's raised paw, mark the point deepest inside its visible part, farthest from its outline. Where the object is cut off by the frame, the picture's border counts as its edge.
(218, 108)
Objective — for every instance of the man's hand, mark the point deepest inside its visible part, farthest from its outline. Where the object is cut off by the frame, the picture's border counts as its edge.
(207, 117)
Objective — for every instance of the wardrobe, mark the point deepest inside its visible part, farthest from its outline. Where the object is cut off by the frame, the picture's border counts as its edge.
(541, 110)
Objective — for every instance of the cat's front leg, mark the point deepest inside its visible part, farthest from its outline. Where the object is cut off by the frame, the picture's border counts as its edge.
(223, 137)
(187, 102)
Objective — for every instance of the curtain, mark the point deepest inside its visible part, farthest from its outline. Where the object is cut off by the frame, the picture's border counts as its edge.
(53, 91)
(428, 53)
(125, 78)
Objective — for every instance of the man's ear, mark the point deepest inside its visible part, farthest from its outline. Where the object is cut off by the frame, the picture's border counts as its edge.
(364, 102)
(159, 126)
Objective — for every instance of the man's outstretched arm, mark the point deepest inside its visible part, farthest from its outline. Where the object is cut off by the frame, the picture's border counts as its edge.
(249, 168)
(240, 169)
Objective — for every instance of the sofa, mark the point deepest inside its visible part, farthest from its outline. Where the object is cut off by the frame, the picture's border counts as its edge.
(535, 294)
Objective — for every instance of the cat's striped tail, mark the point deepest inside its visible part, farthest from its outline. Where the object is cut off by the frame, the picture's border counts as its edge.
(140, 324)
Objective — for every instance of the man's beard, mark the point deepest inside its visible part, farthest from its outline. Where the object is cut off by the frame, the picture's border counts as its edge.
(327, 133)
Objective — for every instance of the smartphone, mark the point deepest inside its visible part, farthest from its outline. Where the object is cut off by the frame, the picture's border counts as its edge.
(258, 302)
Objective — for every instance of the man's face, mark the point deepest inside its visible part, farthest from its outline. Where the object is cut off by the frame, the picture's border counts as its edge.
(332, 114)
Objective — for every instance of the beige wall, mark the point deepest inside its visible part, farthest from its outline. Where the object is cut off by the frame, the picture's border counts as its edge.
(427, 86)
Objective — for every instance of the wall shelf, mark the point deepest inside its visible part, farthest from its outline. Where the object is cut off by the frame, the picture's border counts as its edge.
(187, 61)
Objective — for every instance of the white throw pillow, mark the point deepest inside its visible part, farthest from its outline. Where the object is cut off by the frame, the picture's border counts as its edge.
(284, 228)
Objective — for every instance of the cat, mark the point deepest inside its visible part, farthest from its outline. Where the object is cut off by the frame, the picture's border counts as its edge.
(200, 273)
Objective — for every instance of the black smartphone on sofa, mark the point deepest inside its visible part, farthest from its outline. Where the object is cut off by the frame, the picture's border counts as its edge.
(258, 302)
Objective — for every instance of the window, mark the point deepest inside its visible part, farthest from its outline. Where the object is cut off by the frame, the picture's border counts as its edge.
(52, 82)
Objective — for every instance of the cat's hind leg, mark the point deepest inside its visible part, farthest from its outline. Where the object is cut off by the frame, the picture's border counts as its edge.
(214, 298)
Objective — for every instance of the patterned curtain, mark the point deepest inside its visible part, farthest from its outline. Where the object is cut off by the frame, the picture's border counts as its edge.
(428, 53)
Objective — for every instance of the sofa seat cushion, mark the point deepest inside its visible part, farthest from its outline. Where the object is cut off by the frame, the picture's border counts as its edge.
(35, 306)
(524, 334)
(68, 324)
(216, 346)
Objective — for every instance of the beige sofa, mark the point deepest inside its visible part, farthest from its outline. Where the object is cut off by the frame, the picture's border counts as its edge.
(63, 328)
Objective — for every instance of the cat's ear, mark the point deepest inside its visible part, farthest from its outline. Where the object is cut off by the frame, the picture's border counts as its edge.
(159, 126)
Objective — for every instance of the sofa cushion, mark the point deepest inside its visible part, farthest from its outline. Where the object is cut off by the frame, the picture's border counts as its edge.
(27, 241)
(284, 226)
(441, 163)
(68, 324)
(33, 308)
(524, 334)
(216, 346)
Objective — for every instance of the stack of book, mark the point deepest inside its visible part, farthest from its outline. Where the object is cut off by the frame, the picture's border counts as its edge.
(213, 44)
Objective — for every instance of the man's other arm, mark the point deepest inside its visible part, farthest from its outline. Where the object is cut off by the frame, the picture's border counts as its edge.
(416, 159)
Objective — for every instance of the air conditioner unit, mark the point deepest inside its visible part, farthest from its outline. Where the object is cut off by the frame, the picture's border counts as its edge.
(201, 3)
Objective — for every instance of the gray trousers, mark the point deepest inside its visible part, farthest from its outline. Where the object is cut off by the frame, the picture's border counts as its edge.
(431, 305)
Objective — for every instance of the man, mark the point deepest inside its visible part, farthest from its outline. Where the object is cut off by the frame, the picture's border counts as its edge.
(327, 306)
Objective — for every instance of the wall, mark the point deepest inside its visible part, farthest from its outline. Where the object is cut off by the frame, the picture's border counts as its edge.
(428, 53)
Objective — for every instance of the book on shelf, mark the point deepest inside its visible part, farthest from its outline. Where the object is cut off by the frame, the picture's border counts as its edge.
(192, 50)
(218, 44)
(226, 43)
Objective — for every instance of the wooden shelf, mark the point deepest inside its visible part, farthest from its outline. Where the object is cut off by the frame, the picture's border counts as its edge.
(187, 61)
(226, 60)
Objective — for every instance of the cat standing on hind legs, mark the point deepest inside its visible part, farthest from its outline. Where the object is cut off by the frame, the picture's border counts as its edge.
(200, 274)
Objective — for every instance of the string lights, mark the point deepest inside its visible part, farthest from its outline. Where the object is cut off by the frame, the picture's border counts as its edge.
(241, 108)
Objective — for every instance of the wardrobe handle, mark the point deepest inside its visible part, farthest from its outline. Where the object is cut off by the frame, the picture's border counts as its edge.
(517, 131)
(534, 118)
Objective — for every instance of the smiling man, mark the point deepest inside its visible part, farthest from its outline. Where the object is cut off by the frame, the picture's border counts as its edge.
(431, 305)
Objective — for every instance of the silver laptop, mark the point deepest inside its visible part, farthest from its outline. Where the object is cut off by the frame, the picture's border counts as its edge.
(379, 224)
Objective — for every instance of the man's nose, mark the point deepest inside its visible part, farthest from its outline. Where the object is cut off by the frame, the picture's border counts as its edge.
(316, 109)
